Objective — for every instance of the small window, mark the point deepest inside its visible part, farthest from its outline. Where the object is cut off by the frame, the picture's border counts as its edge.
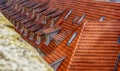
(33, 13)
(44, 19)
(102, 18)
(81, 19)
(38, 16)
(22, 29)
(68, 14)
(32, 36)
(48, 40)
(72, 38)
(75, 19)
(38, 40)
(25, 32)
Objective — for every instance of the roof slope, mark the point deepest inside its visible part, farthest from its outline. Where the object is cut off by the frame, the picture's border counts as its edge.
(63, 51)
(97, 48)
(94, 10)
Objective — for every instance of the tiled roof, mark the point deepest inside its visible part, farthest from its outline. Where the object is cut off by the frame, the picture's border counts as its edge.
(97, 47)
(86, 9)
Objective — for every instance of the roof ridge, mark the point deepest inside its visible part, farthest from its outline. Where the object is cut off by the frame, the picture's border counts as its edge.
(76, 45)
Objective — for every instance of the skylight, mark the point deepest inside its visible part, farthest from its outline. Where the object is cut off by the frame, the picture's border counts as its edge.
(72, 38)
(102, 18)
(110, 0)
(75, 19)
(68, 14)
(114, 0)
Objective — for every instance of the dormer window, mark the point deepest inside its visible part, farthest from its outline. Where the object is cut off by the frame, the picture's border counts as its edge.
(38, 40)
(48, 40)
(22, 29)
(50, 33)
(54, 20)
(25, 32)
(44, 20)
(33, 13)
(56, 16)
(38, 16)
(32, 35)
